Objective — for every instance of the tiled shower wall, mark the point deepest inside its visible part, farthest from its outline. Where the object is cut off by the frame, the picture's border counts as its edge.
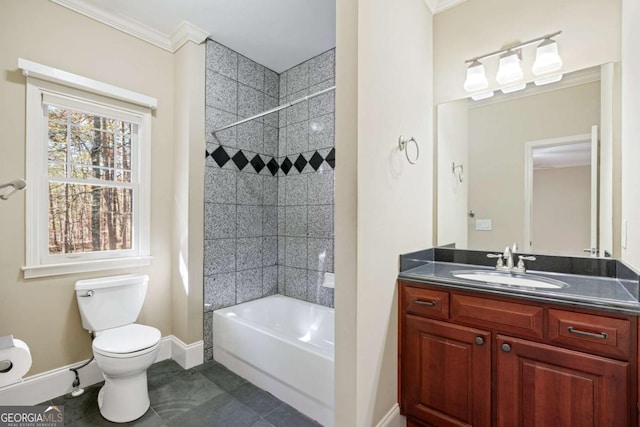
(306, 192)
(268, 182)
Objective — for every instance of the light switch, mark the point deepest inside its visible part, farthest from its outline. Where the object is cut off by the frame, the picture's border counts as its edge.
(483, 224)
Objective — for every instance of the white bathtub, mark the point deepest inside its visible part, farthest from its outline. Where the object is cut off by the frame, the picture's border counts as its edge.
(284, 346)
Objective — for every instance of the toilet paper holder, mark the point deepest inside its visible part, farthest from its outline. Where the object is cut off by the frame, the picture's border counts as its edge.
(5, 366)
(6, 342)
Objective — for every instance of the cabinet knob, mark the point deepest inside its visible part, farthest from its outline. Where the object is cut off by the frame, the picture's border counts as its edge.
(479, 340)
(506, 348)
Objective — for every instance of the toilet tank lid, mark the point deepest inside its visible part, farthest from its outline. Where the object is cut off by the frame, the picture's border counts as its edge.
(107, 282)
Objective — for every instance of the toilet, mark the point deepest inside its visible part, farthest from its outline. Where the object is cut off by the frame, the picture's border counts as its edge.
(123, 350)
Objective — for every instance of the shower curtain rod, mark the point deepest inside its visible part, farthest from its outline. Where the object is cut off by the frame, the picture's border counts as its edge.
(273, 110)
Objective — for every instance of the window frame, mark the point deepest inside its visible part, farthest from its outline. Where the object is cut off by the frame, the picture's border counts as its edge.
(39, 263)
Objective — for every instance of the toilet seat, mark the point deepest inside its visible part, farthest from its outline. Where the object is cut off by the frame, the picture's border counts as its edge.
(127, 341)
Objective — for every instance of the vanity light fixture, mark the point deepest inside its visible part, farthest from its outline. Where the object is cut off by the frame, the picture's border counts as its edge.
(547, 58)
(509, 69)
(547, 80)
(476, 77)
(482, 95)
(513, 88)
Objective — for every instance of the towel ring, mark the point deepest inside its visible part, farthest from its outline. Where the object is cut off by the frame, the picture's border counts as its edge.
(402, 144)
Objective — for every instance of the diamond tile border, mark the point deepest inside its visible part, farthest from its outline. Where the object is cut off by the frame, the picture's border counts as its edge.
(258, 162)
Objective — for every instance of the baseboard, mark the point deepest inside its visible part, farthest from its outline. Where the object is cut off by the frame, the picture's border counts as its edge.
(393, 418)
(187, 355)
(57, 382)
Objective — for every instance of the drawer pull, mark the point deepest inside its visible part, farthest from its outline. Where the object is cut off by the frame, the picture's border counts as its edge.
(601, 335)
(429, 303)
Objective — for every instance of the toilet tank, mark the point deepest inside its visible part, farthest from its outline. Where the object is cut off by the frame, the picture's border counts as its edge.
(110, 302)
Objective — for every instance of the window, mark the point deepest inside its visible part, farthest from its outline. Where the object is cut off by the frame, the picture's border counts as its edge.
(88, 181)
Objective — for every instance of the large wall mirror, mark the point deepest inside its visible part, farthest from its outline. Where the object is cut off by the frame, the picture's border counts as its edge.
(533, 167)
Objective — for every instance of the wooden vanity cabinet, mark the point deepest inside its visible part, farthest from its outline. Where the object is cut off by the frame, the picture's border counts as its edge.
(542, 385)
(447, 373)
(472, 360)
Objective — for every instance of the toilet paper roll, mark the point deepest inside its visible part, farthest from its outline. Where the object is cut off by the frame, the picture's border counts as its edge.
(14, 362)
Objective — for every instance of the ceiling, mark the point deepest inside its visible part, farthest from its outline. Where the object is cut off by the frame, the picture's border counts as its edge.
(275, 33)
(278, 34)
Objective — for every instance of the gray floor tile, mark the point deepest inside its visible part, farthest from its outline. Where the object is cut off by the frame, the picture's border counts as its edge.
(193, 397)
(222, 377)
(81, 406)
(184, 392)
(161, 373)
(286, 416)
(223, 411)
(149, 419)
(262, 423)
(255, 398)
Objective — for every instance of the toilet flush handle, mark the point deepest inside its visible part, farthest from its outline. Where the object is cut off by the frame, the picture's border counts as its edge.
(88, 294)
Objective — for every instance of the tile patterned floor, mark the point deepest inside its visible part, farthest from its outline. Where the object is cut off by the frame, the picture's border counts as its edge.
(207, 395)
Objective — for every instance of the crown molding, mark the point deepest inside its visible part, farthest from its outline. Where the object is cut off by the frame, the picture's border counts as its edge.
(437, 6)
(184, 33)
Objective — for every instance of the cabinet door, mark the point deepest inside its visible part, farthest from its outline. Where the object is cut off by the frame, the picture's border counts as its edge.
(542, 385)
(446, 373)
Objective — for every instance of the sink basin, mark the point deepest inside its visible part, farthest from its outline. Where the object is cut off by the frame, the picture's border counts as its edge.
(510, 279)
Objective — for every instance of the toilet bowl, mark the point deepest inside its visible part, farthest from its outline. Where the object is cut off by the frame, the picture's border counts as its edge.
(123, 355)
(123, 350)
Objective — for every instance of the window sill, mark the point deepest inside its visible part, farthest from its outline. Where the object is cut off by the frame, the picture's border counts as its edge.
(31, 272)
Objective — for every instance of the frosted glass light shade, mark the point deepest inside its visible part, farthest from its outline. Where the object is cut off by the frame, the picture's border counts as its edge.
(548, 80)
(547, 58)
(476, 77)
(509, 70)
(482, 95)
(513, 88)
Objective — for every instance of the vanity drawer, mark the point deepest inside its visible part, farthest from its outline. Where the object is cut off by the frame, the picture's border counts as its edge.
(521, 319)
(606, 336)
(426, 302)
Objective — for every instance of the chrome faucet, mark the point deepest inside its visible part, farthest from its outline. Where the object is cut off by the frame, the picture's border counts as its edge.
(505, 260)
(508, 257)
(521, 259)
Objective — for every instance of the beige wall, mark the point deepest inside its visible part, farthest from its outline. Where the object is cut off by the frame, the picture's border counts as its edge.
(561, 212)
(393, 212)
(188, 200)
(591, 36)
(497, 134)
(453, 146)
(43, 312)
(346, 209)
(631, 130)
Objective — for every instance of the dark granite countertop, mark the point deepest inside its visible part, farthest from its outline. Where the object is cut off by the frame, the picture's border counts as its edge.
(605, 285)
